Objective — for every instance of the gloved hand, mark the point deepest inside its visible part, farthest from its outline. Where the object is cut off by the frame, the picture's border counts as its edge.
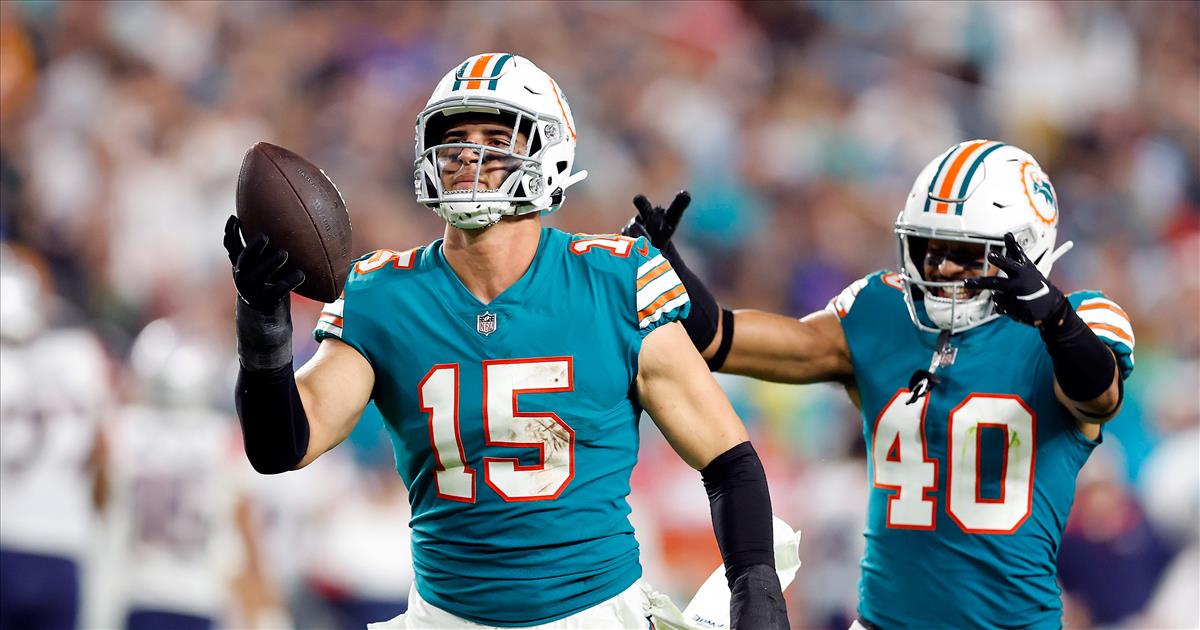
(263, 314)
(653, 222)
(756, 601)
(258, 269)
(1025, 295)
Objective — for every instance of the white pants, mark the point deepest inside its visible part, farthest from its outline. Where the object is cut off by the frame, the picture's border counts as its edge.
(629, 610)
(639, 607)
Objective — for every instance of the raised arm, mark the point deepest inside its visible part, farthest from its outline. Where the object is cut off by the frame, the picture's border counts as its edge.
(784, 349)
(679, 392)
(767, 346)
(287, 420)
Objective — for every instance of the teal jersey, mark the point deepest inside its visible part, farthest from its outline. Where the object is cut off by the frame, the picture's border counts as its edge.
(513, 423)
(971, 484)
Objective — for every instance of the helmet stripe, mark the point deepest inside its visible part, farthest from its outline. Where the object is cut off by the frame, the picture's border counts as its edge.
(566, 119)
(933, 181)
(496, 71)
(477, 71)
(459, 73)
(952, 175)
(962, 190)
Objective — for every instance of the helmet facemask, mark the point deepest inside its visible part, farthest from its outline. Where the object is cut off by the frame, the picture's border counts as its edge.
(524, 188)
(957, 309)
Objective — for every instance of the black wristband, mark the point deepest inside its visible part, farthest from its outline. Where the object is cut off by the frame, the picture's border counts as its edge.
(264, 337)
(741, 510)
(1083, 364)
(274, 425)
(718, 358)
(701, 322)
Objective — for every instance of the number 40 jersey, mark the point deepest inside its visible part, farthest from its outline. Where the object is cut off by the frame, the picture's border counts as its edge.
(971, 484)
(512, 423)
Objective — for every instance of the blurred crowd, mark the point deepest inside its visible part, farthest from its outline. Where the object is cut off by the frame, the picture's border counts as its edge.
(798, 129)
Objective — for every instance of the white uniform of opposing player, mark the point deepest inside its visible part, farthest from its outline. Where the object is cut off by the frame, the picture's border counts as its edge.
(176, 462)
(54, 391)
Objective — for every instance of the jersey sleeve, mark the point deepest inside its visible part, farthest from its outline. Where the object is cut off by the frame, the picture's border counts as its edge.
(842, 303)
(1111, 324)
(342, 318)
(661, 296)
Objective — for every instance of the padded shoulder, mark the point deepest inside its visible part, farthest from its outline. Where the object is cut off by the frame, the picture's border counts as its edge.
(883, 284)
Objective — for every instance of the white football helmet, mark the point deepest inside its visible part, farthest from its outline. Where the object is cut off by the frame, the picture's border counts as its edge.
(24, 304)
(174, 369)
(511, 87)
(974, 193)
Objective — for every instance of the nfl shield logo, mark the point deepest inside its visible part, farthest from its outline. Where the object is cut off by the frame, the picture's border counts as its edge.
(485, 323)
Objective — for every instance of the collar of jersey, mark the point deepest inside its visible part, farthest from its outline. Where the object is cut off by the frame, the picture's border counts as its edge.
(520, 291)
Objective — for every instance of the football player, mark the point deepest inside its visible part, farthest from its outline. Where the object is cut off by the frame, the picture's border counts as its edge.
(182, 533)
(55, 395)
(982, 388)
(511, 362)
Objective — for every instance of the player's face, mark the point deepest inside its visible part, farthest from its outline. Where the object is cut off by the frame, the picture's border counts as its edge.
(459, 166)
(947, 261)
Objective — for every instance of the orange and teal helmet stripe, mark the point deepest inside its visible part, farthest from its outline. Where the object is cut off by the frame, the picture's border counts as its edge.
(479, 73)
(458, 75)
(496, 70)
(932, 182)
(966, 182)
(949, 170)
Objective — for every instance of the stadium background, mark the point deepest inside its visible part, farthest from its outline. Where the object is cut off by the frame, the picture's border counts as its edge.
(798, 130)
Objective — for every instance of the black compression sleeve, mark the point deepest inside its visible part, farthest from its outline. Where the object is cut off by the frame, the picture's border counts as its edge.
(1083, 364)
(741, 510)
(274, 426)
(701, 322)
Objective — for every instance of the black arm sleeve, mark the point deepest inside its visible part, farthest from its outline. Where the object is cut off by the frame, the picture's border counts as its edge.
(741, 510)
(701, 322)
(1083, 364)
(274, 426)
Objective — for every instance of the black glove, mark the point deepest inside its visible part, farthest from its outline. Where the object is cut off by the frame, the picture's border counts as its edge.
(654, 223)
(258, 272)
(756, 601)
(264, 320)
(658, 226)
(1025, 295)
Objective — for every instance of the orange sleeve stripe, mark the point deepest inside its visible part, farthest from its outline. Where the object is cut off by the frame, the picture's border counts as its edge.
(652, 274)
(332, 319)
(1112, 329)
(952, 174)
(477, 71)
(1111, 307)
(662, 299)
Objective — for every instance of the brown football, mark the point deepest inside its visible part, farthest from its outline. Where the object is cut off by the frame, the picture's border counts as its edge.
(286, 197)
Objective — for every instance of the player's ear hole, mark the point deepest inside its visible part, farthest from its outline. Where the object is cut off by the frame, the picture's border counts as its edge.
(562, 166)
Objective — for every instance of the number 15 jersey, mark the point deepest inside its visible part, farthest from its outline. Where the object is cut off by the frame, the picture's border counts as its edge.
(513, 423)
(973, 482)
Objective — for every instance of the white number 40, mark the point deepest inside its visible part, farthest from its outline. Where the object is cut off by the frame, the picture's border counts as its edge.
(901, 462)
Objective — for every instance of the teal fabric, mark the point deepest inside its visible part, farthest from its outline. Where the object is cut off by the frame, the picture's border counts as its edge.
(518, 560)
(941, 576)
